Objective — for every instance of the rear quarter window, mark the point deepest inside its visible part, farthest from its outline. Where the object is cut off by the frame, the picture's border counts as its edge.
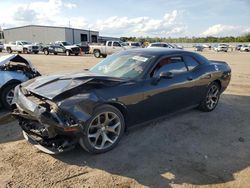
(190, 62)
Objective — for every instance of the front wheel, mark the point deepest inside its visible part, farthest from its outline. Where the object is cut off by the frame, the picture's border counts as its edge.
(211, 99)
(67, 53)
(46, 52)
(103, 131)
(7, 95)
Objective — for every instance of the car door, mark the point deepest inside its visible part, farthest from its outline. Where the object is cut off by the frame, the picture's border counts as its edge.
(166, 95)
(19, 47)
(116, 47)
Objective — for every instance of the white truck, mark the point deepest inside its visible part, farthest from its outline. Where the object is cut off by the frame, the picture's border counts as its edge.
(21, 47)
(221, 48)
(109, 48)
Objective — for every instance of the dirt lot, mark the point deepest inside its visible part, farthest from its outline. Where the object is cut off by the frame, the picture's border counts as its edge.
(191, 149)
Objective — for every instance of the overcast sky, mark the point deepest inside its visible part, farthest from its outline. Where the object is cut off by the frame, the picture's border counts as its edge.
(162, 18)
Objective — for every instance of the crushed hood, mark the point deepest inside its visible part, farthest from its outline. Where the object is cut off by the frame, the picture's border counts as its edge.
(56, 87)
(14, 58)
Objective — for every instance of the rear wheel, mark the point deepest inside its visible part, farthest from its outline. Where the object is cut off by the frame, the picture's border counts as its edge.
(97, 53)
(104, 55)
(76, 54)
(104, 130)
(55, 53)
(9, 50)
(25, 51)
(211, 99)
(7, 95)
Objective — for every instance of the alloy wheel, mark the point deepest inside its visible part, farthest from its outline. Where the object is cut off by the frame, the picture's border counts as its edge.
(104, 130)
(10, 96)
(212, 97)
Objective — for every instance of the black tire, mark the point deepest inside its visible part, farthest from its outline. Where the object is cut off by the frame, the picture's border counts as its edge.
(5, 93)
(25, 50)
(55, 53)
(9, 50)
(206, 104)
(104, 55)
(67, 53)
(97, 53)
(85, 141)
(35, 52)
(46, 52)
(76, 54)
(1, 50)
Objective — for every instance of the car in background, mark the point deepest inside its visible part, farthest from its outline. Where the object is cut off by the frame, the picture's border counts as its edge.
(1, 47)
(134, 44)
(14, 69)
(94, 107)
(237, 47)
(110, 47)
(160, 44)
(62, 47)
(84, 47)
(245, 48)
(21, 46)
(198, 47)
(221, 48)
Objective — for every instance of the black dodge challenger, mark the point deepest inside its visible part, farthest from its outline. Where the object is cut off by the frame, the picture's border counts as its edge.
(94, 107)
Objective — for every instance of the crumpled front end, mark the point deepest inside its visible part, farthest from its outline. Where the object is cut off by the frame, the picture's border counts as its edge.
(49, 128)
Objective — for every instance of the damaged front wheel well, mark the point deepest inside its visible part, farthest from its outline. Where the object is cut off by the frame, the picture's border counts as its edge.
(123, 111)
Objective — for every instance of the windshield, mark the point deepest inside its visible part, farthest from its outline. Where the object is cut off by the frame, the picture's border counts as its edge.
(122, 65)
(25, 42)
(66, 44)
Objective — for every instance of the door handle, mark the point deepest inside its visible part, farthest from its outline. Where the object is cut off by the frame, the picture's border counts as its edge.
(189, 78)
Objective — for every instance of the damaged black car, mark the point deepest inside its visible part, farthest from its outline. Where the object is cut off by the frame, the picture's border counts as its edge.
(94, 107)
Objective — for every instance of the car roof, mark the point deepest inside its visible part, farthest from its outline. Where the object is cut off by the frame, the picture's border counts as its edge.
(158, 51)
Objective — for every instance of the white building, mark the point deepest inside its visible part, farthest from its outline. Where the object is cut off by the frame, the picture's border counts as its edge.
(47, 34)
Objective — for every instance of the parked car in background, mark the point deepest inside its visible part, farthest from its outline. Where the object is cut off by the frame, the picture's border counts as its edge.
(160, 44)
(134, 44)
(21, 47)
(131, 87)
(245, 48)
(221, 48)
(14, 69)
(61, 47)
(84, 47)
(198, 47)
(237, 47)
(108, 48)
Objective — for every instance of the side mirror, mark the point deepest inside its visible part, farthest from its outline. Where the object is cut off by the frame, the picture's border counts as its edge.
(163, 75)
(166, 75)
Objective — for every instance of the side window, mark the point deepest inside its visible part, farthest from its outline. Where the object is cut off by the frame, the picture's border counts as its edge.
(109, 43)
(175, 65)
(190, 62)
(116, 44)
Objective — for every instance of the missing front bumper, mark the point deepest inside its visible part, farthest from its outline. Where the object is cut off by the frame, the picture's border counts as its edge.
(51, 148)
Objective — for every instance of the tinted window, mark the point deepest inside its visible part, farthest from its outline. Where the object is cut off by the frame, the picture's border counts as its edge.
(190, 62)
(155, 45)
(109, 43)
(116, 44)
(174, 64)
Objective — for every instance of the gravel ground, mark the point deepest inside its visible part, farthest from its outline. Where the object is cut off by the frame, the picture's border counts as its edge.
(188, 149)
